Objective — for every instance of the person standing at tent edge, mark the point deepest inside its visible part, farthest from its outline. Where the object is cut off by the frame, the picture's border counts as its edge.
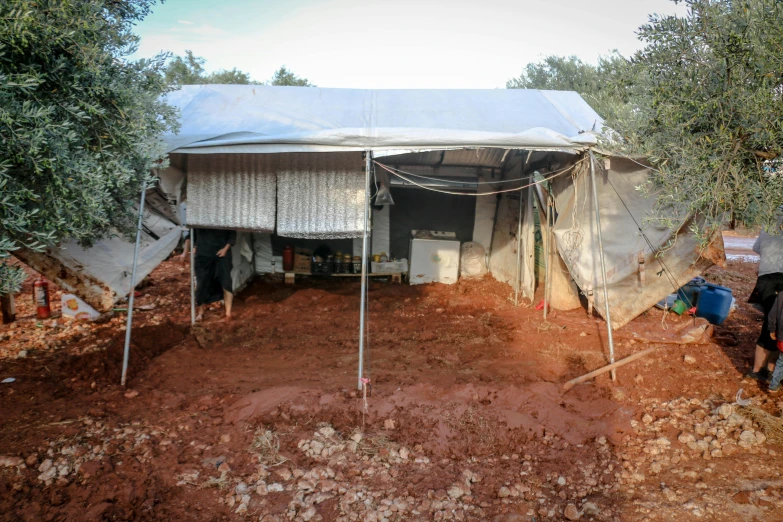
(213, 267)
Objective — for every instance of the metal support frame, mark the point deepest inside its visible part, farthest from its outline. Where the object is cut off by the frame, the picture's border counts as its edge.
(129, 324)
(192, 273)
(603, 264)
(363, 299)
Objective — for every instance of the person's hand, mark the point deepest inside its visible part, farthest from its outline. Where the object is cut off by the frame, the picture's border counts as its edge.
(773, 335)
(223, 251)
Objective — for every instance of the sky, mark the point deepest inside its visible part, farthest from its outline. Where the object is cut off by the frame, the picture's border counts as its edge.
(395, 44)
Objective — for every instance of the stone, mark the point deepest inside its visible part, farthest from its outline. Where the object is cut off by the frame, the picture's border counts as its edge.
(357, 437)
(327, 432)
(307, 514)
(275, 487)
(404, 453)
(225, 438)
(571, 513)
(747, 439)
(561, 481)
(670, 495)
(743, 497)
(735, 419)
(504, 492)
(45, 466)
(241, 488)
(261, 489)
(724, 410)
(685, 438)
(48, 475)
(388, 424)
(456, 491)
(647, 419)
(638, 379)
(224, 467)
(689, 359)
(131, 394)
(316, 448)
(10, 462)
(591, 509)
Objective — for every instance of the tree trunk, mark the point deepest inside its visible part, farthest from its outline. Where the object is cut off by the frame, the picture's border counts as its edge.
(8, 308)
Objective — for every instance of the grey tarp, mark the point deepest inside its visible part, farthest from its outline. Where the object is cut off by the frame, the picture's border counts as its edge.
(575, 235)
(254, 118)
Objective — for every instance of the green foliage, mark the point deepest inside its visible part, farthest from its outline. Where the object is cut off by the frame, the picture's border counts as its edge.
(189, 70)
(79, 124)
(603, 86)
(708, 112)
(285, 77)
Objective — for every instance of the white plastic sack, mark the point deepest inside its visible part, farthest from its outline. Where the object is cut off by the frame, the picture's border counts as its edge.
(75, 308)
(472, 260)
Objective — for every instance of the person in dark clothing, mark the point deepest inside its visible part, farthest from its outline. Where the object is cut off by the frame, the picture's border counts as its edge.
(769, 247)
(213, 267)
(775, 332)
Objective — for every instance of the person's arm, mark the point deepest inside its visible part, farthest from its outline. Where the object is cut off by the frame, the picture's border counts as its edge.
(232, 239)
(774, 315)
(757, 244)
(185, 250)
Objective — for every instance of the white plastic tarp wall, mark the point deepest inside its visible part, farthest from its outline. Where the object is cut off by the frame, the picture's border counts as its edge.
(576, 238)
(503, 258)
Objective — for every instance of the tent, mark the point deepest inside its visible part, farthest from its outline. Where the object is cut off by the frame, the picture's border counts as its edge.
(304, 163)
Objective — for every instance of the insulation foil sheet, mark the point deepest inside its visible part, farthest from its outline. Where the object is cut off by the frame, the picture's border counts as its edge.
(321, 196)
(235, 191)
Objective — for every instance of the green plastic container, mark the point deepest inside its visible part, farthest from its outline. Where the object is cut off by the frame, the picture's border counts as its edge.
(679, 307)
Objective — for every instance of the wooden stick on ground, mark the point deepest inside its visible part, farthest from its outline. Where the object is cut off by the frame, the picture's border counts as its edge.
(595, 373)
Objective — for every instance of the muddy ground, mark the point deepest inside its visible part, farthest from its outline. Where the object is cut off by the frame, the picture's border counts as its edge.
(464, 419)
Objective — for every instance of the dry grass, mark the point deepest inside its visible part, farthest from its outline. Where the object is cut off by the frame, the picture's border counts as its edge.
(372, 445)
(220, 482)
(267, 446)
(771, 426)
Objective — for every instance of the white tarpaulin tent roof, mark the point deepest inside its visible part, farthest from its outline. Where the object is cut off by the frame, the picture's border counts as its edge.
(258, 119)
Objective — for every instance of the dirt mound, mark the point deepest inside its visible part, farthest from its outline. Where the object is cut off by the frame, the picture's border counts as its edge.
(147, 343)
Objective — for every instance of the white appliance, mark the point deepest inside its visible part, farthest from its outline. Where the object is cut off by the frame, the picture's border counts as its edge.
(434, 260)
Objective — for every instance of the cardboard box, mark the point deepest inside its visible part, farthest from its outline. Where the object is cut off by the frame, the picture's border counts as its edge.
(390, 267)
(302, 261)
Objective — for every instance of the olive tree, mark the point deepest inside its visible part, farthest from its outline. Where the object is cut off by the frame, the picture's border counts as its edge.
(708, 112)
(80, 124)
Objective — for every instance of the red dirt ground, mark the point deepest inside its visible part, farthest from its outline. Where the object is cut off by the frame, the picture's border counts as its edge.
(465, 418)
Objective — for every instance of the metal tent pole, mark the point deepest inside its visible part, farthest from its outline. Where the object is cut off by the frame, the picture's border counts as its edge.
(603, 264)
(519, 252)
(363, 300)
(129, 324)
(519, 232)
(192, 277)
(547, 251)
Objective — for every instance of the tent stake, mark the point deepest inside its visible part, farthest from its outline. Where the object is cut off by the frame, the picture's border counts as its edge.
(603, 265)
(129, 324)
(363, 299)
(191, 237)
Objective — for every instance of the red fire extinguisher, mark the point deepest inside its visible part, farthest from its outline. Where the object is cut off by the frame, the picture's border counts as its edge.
(288, 259)
(41, 298)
